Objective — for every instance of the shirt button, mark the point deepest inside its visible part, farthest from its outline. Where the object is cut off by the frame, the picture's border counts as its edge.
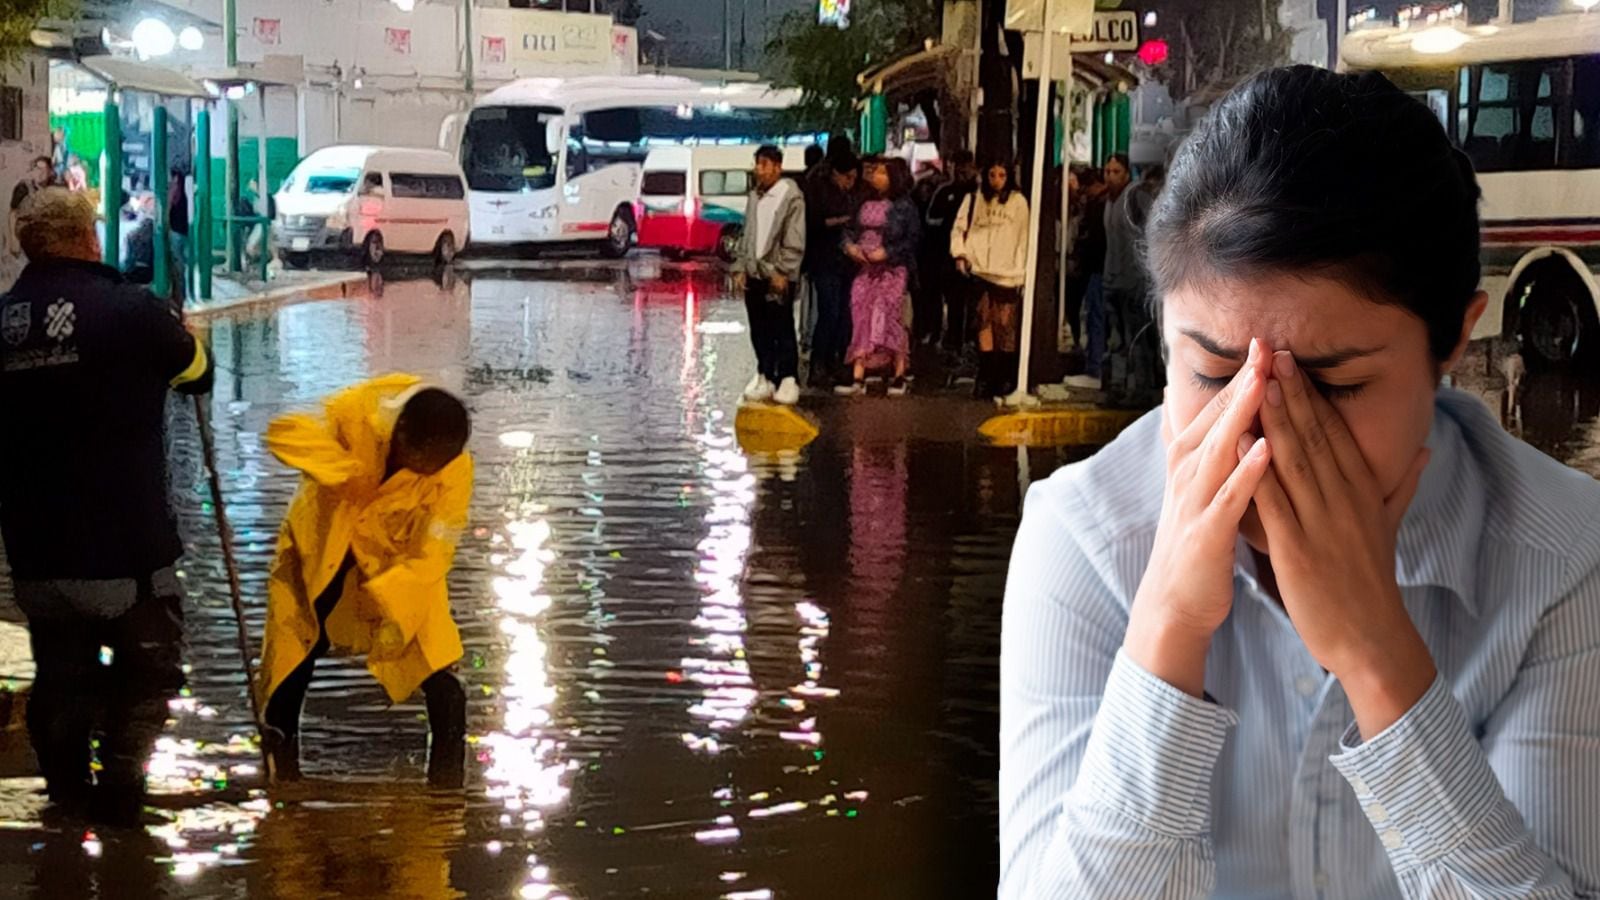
(1377, 813)
(1392, 838)
(1306, 685)
(1358, 785)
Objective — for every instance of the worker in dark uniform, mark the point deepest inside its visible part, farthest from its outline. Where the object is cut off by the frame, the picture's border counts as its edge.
(86, 361)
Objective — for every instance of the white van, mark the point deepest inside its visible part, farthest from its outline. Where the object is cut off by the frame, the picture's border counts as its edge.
(371, 202)
(692, 199)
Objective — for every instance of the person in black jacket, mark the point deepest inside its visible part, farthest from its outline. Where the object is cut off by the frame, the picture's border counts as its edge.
(86, 361)
(946, 293)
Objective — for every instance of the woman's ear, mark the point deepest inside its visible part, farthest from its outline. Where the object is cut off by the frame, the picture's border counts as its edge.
(1480, 302)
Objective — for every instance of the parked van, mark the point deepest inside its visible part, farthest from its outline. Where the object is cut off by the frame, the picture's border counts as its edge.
(692, 199)
(370, 202)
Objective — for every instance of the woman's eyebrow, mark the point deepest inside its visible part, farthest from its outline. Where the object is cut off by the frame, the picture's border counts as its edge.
(1327, 360)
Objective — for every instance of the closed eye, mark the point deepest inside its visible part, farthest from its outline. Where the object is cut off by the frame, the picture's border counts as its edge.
(1333, 392)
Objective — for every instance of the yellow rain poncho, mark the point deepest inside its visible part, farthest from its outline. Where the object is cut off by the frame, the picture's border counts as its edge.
(394, 606)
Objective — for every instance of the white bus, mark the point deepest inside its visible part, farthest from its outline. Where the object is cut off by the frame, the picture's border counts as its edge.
(1523, 102)
(558, 159)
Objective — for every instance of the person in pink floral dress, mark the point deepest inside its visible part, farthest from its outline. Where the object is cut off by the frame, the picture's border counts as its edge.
(883, 242)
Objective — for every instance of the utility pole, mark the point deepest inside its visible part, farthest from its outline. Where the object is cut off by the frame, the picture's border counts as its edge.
(230, 177)
(471, 73)
(727, 35)
(1507, 12)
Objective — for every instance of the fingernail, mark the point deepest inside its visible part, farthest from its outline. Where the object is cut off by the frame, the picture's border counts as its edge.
(1283, 361)
(1251, 356)
(1274, 393)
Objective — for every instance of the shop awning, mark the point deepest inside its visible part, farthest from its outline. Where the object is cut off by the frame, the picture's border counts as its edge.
(132, 75)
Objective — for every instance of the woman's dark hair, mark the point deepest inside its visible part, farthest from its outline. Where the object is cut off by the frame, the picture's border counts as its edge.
(899, 174)
(990, 193)
(1300, 170)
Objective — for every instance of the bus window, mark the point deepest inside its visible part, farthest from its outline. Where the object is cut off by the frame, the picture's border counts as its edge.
(1584, 138)
(662, 183)
(1507, 118)
(505, 149)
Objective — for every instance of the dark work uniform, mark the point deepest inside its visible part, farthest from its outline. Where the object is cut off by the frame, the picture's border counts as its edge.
(86, 361)
(830, 271)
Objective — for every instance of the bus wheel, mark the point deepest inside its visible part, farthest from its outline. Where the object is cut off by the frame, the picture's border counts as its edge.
(619, 236)
(1557, 320)
(372, 250)
(444, 252)
(728, 243)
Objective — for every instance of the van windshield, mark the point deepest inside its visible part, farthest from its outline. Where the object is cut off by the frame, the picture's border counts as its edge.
(504, 149)
(329, 181)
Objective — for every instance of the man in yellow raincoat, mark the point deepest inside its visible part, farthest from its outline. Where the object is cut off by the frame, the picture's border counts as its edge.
(362, 558)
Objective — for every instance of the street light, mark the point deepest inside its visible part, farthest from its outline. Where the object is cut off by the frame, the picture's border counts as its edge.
(191, 39)
(1150, 19)
(153, 37)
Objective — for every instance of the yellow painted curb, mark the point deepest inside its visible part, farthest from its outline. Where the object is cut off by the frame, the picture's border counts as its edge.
(1057, 427)
(765, 428)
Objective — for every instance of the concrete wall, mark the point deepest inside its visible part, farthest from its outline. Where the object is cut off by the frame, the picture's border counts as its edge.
(32, 74)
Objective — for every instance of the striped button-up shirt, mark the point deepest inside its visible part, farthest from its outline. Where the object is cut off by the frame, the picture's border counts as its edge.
(1115, 784)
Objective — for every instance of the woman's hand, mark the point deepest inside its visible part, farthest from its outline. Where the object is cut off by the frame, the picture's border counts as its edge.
(878, 255)
(963, 266)
(1331, 536)
(854, 252)
(1213, 468)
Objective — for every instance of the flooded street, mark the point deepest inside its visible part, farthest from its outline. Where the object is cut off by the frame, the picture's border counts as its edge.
(692, 672)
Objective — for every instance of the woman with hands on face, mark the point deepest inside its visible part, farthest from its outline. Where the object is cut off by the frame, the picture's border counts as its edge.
(1317, 627)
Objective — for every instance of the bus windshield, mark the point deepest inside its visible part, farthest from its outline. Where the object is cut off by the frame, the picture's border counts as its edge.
(505, 149)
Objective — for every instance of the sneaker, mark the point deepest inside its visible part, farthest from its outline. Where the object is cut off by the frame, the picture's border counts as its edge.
(759, 391)
(853, 389)
(899, 387)
(788, 393)
(1084, 382)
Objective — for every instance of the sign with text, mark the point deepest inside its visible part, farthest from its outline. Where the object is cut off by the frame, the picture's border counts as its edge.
(537, 37)
(1114, 31)
(268, 31)
(398, 40)
(494, 51)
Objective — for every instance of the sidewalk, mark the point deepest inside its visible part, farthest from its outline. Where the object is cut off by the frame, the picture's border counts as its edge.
(228, 295)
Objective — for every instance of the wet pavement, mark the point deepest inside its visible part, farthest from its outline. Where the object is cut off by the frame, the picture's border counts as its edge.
(692, 672)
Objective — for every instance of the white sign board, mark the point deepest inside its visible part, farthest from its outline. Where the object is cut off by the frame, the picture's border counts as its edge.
(1117, 31)
(1071, 16)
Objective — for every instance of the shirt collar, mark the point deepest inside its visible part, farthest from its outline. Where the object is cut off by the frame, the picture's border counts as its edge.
(1439, 538)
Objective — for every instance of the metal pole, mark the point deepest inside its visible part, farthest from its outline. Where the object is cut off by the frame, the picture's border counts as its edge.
(161, 281)
(1066, 200)
(235, 593)
(263, 207)
(230, 32)
(1340, 25)
(1041, 123)
(1507, 14)
(111, 190)
(727, 35)
(472, 65)
(202, 235)
(230, 187)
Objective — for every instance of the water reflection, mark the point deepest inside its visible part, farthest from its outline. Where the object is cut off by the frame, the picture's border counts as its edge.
(692, 671)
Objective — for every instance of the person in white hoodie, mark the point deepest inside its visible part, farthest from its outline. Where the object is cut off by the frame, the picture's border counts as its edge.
(990, 243)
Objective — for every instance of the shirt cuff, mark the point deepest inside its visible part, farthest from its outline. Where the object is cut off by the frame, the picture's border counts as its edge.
(1152, 752)
(1423, 782)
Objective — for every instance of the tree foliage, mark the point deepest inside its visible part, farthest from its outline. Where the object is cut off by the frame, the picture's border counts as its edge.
(18, 18)
(823, 61)
(1215, 44)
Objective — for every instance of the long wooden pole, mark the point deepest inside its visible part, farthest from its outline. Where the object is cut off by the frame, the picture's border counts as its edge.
(235, 592)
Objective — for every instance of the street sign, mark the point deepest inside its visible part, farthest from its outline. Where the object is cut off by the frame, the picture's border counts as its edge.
(1112, 31)
(1118, 31)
